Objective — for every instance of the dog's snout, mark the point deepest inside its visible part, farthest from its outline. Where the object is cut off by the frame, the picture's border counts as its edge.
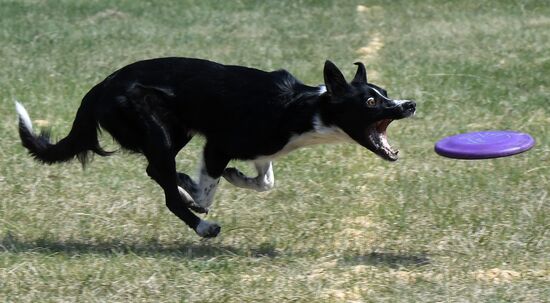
(409, 107)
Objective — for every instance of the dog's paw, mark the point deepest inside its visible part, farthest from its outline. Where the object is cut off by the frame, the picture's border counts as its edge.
(207, 229)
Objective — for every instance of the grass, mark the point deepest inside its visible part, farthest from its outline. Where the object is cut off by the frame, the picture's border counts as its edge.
(341, 224)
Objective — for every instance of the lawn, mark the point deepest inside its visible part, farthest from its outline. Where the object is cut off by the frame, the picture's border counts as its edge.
(341, 225)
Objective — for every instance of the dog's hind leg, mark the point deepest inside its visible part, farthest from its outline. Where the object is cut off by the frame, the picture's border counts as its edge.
(162, 168)
(263, 182)
(187, 187)
(131, 120)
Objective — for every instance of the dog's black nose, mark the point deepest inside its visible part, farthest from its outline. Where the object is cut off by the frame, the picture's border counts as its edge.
(409, 106)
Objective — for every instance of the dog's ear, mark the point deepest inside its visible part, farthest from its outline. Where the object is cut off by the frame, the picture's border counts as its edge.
(334, 80)
(361, 74)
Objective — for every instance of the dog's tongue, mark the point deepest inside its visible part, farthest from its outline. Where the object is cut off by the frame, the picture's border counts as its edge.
(383, 125)
(380, 140)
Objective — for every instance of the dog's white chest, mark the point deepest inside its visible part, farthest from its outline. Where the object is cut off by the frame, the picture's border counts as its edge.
(320, 134)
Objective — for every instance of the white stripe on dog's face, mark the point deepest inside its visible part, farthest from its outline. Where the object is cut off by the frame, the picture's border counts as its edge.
(392, 101)
(379, 93)
(322, 89)
(399, 102)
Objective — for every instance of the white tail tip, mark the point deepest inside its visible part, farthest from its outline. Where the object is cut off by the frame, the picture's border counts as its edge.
(23, 115)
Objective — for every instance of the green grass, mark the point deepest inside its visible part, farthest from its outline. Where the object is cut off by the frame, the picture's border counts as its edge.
(341, 225)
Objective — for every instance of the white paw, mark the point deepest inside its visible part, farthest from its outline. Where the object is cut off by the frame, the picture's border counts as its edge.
(207, 229)
(264, 183)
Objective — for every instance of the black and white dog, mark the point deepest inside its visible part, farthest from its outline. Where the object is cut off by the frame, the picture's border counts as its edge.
(156, 106)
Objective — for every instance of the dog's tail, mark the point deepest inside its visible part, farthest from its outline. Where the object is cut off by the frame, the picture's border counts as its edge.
(79, 142)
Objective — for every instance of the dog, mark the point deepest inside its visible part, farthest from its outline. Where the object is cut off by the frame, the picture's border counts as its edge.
(154, 107)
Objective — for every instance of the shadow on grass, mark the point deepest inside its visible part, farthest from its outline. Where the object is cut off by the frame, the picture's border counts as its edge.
(190, 250)
(390, 259)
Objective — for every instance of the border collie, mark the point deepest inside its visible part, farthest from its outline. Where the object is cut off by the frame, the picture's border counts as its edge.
(154, 107)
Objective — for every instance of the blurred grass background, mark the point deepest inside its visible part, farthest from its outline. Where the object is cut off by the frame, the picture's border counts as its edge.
(341, 225)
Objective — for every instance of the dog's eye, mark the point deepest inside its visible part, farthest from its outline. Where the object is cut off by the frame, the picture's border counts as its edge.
(371, 102)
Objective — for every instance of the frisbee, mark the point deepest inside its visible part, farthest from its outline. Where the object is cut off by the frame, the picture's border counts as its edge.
(484, 145)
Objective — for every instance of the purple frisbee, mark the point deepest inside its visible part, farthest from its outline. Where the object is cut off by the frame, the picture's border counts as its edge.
(484, 145)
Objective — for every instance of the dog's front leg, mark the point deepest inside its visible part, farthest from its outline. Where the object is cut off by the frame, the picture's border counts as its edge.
(211, 170)
(206, 189)
(263, 182)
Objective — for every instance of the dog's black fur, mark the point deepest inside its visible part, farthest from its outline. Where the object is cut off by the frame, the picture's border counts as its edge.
(154, 107)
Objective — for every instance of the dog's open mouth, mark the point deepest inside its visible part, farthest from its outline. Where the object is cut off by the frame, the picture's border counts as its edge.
(376, 134)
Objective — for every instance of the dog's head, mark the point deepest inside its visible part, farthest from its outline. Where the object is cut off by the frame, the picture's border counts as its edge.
(362, 110)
